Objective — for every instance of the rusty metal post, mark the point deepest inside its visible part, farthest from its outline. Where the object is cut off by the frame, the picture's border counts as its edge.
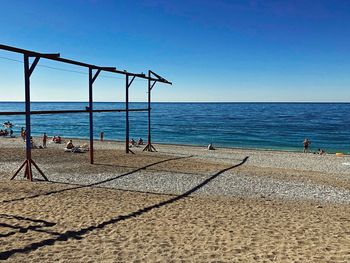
(149, 110)
(91, 124)
(27, 164)
(27, 106)
(149, 147)
(127, 114)
(27, 172)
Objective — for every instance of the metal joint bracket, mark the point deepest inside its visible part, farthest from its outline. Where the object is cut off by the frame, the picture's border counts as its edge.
(95, 76)
(32, 67)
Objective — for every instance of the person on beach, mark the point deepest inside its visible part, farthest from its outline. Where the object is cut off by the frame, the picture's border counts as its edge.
(44, 140)
(132, 142)
(23, 134)
(57, 139)
(321, 152)
(140, 142)
(102, 135)
(306, 145)
(70, 145)
(32, 145)
(211, 147)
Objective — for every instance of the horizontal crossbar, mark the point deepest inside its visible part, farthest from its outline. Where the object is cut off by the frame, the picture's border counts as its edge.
(66, 111)
(77, 63)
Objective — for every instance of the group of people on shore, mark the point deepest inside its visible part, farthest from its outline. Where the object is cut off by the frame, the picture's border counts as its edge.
(307, 143)
(58, 140)
(8, 129)
(133, 142)
(55, 139)
(6, 132)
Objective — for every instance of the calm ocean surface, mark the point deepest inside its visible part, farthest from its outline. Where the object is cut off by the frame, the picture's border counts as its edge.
(248, 125)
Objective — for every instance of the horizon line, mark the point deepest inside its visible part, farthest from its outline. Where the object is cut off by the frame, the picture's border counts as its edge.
(296, 102)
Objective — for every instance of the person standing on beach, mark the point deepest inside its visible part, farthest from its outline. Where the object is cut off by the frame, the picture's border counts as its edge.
(44, 140)
(306, 145)
(23, 134)
(102, 135)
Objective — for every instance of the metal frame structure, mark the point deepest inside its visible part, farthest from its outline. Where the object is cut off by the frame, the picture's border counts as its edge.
(149, 147)
(29, 69)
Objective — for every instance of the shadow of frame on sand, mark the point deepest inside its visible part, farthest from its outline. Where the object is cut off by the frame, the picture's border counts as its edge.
(97, 183)
(77, 234)
(38, 224)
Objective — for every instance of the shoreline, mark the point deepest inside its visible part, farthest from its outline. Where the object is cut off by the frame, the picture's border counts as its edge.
(205, 146)
(281, 175)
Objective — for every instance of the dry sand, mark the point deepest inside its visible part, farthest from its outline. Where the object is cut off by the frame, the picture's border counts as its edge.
(49, 222)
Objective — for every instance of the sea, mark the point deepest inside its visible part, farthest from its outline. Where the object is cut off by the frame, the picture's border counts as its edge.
(272, 126)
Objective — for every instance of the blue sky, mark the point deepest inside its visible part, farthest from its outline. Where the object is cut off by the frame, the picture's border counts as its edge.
(216, 50)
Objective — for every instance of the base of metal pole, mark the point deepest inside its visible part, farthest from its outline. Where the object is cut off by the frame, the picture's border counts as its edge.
(130, 151)
(149, 147)
(28, 173)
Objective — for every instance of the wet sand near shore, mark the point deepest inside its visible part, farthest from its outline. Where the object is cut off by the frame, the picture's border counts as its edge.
(47, 221)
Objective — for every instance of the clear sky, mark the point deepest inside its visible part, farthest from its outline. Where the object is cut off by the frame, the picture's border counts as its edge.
(212, 50)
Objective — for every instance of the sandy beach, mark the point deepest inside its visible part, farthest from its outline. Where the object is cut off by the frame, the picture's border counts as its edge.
(180, 204)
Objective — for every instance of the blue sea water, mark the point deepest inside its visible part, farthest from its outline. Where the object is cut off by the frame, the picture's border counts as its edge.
(280, 126)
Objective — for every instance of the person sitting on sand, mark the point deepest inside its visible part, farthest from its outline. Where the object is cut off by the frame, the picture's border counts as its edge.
(77, 149)
(70, 145)
(57, 139)
(321, 152)
(132, 142)
(3, 133)
(306, 145)
(32, 145)
(140, 142)
(211, 147)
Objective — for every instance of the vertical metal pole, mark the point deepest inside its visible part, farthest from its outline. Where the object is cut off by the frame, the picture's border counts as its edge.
(91, 118)
(27, 107)
(127, 113)
(149, 110)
